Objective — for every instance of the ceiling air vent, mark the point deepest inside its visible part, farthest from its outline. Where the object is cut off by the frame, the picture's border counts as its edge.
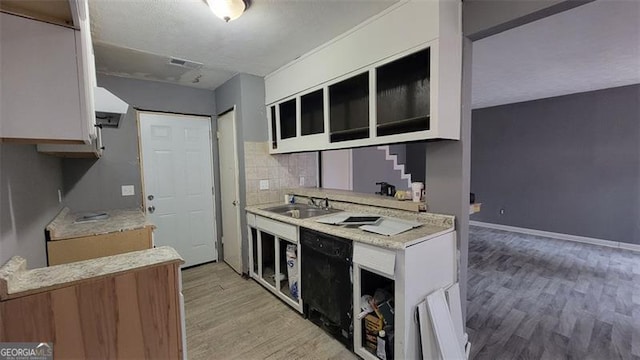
(185, 63)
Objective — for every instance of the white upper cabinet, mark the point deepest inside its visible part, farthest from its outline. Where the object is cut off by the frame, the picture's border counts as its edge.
(47, 80)
(394, 78)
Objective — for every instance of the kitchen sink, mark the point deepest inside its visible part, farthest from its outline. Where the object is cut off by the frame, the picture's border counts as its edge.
(301, 211)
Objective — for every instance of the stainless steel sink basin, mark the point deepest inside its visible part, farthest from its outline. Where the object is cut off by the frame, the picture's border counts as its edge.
(301, 211)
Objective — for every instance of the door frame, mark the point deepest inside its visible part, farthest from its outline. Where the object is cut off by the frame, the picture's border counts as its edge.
(214, 190)
(233, 110)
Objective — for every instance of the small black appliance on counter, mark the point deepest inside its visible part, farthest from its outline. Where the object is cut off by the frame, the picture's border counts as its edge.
(386, 189)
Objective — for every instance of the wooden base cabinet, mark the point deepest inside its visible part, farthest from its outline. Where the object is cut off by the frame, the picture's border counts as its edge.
(64, 251)
(274, 258)
(412, 274)
(131, 315)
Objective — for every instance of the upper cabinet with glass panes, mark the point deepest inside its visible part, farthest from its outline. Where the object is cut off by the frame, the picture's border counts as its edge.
(394, 78)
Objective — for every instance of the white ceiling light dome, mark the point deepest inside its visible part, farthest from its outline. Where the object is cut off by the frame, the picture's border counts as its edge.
(227, 10)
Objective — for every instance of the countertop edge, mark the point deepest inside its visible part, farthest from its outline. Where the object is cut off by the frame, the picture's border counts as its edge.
(58, 228)
(131, 228)
(53, 224)
(428, 237)
(359, 198)
(14, 274)
(255, 209)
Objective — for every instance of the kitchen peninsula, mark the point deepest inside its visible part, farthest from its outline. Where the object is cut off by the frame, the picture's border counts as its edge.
(121, 306)
(77, 236)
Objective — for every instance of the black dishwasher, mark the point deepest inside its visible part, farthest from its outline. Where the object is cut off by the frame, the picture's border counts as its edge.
(327, 290)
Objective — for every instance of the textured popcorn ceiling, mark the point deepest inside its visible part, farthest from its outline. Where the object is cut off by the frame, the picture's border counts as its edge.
(590, 47)
(134, 38)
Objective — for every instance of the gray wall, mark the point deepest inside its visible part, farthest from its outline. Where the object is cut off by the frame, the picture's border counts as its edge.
(370, 166)
(568, 164)
(400, 151)
(448, 174)
(29, 184)
(95, 184)
(246, 93)
(482, 18)
(416, 158)
(254, 124)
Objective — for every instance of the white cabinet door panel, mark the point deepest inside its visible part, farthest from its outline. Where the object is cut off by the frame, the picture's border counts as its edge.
(40, 84)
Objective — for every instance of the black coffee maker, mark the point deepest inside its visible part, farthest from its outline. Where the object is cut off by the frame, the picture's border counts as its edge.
(386, 189)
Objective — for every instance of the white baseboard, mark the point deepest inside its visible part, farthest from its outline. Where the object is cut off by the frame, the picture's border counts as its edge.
(560, 236)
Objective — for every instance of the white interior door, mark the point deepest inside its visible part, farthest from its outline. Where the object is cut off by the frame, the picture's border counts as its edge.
(337, 169)
(178, 183)
(229, 192)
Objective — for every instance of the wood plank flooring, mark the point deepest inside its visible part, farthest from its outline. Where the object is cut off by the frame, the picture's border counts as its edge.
(229, 317)
(538, 298)
(529, 298)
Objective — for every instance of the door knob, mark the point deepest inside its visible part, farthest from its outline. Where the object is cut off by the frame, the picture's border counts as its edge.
(151, 209)
(150, 197)
(234, 203)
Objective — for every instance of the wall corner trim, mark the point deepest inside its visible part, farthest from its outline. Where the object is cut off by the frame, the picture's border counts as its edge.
(559, 236)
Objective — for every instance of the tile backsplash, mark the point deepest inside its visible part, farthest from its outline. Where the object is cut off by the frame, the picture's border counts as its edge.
(282, 171)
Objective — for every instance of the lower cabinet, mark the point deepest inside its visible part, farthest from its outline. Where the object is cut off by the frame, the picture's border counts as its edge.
(65, 251)
(397, 279)
(405, 277)
(274, 254)
(135, 314)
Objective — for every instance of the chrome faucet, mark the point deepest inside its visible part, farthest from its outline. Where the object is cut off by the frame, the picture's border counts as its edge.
(312, 202)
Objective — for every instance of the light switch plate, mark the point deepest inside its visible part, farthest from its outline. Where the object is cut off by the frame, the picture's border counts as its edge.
(264, 184)
(301, 180)
(128, 190)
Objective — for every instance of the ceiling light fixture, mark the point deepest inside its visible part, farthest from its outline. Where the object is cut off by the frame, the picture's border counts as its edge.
(227, 10)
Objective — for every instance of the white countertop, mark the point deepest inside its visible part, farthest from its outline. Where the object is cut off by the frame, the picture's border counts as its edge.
(17, 281)
(63, 226)
(433, 226)
(359, 198)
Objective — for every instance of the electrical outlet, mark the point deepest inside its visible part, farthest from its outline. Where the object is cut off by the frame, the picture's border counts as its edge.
(501, 211)
(264, 184)
(301, 180)
(128, 190)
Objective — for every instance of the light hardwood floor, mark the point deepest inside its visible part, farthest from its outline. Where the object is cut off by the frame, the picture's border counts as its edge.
(229, 317)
